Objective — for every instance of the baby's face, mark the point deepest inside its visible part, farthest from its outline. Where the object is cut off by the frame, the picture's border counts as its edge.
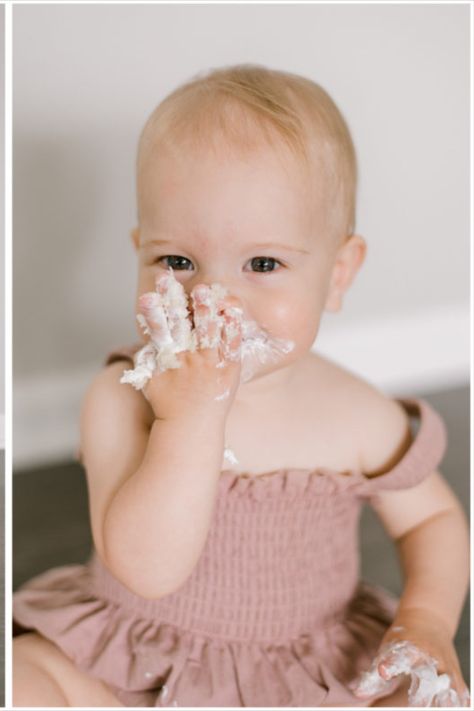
(247, 224)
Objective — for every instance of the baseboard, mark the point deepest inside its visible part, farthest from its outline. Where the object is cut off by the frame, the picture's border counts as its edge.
(46, 412)
(421, 352)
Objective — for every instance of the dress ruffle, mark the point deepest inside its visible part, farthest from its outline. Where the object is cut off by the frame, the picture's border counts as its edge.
(288, 483)
(150, 663)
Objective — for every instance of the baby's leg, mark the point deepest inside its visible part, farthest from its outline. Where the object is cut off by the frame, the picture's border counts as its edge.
(44, 676)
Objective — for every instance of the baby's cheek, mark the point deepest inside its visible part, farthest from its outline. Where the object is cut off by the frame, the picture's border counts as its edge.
(294, 319)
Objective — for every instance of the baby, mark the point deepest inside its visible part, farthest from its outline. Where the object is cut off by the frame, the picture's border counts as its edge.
(239, 586)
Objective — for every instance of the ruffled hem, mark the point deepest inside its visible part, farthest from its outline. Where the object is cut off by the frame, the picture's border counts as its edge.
(150, 663)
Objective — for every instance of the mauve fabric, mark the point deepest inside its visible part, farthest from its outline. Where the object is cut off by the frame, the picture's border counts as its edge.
(274, 613)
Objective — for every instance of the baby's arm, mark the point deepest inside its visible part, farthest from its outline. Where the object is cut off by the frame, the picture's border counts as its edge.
(429, 529)
(153, 467)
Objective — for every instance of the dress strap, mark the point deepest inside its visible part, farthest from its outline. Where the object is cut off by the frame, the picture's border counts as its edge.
(122, 353)
(422, 457)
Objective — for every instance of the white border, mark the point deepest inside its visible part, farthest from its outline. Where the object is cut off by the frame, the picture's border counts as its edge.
(8, 349)
(239, 2)
(471, 354)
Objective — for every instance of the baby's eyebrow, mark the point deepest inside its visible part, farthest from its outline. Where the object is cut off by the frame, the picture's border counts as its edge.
(151, 242)
(281, 246)
(265, 245)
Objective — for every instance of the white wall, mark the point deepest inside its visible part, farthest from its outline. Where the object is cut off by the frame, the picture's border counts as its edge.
(85, 79)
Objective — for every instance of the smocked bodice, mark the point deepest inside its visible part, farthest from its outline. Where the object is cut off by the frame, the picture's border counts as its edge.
(281, 554)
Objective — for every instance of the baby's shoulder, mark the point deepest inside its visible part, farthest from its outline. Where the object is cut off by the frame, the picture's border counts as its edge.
(378, 424)
(107, 399)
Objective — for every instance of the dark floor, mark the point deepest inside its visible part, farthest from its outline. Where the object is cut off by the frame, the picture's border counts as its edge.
(50, 517)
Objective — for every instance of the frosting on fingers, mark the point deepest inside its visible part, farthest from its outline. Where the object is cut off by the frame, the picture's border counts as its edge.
(427, 688)
(208, 322)
(175, 304)
(166, 319)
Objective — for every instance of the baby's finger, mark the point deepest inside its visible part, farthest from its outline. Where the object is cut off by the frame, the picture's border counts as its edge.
(151, 309)
(394, 658)
(207, 323)
(232, 333)
(370, 683)
(175, 304)
(452, 699)
(458, 685)
(465, 698)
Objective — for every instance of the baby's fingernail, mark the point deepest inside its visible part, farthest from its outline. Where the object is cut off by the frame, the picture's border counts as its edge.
(149, 304)
(386, 670)
(359, 692)
(147, 299)
(201, 294)
(234, 311)
(354, 685)
(163, 281)
(466, 698)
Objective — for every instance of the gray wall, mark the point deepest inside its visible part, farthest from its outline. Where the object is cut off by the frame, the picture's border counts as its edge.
(85, 79)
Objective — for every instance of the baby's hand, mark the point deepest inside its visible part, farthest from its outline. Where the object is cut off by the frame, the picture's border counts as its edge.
(417, 644)
(208, 376)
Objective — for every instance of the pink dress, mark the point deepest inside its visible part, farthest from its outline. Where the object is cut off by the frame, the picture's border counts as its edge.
(274, 613)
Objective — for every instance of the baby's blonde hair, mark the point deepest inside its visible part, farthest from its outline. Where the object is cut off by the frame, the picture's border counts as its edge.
(245, 103)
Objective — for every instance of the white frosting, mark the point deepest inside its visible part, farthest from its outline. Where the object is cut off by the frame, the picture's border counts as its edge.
(208, 296)
(223, 396)
(427, 688)
(258, 349)
(166, 320)
(229, 456)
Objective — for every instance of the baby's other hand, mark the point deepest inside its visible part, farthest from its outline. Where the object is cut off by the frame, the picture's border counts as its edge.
(415, 636)
(207, 378)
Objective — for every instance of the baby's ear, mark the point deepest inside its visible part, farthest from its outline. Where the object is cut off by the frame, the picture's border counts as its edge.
(348, 261)
(135, 235)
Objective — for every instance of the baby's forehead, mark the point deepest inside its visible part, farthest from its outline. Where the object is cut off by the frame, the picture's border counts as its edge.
(277, 208)
(166, 158)
(267, 169)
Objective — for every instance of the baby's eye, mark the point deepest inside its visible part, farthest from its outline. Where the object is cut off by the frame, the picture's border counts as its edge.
(175, 261)
(264, 264)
